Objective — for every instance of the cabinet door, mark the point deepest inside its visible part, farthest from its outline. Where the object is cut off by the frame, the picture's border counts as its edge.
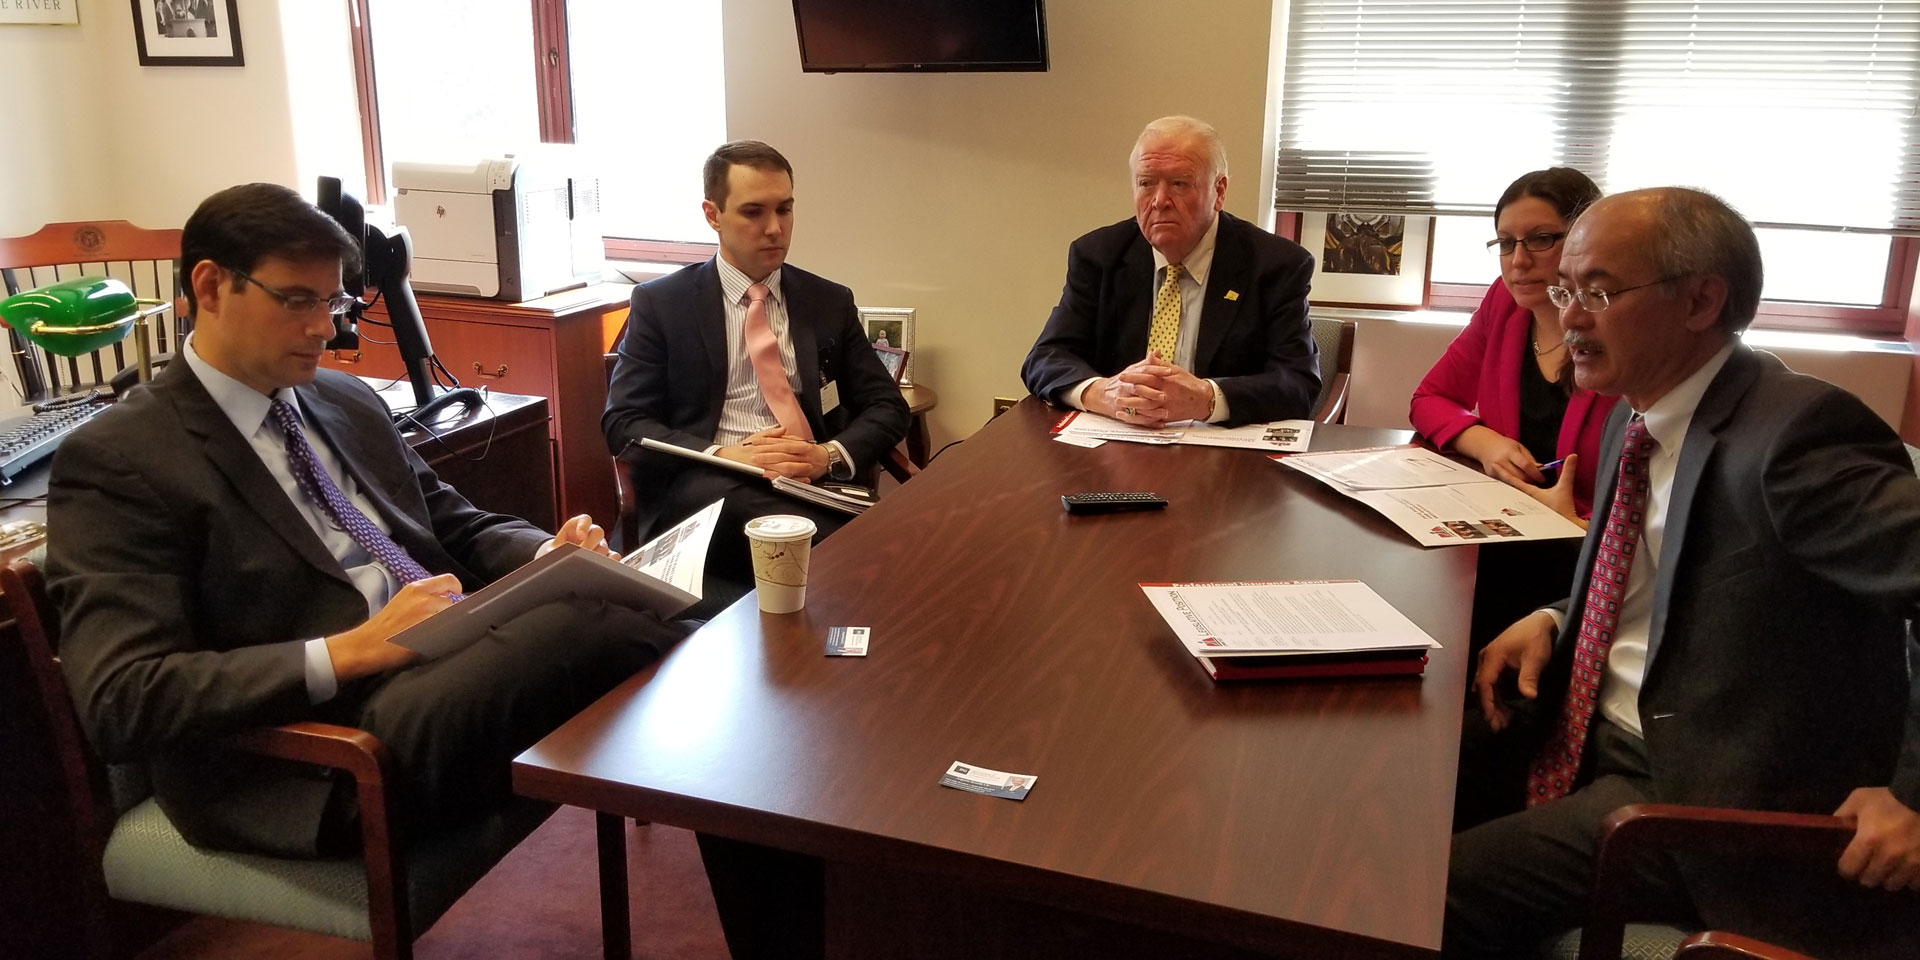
(370, 359)
(498, 356)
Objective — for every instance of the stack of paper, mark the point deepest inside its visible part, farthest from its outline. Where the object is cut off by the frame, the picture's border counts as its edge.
(1290, 628)
(1083, 428)
(1438, 502)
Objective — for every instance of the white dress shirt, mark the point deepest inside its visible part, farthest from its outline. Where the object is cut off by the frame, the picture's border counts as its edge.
(248, 409)
(1667, 420)
(745, 411)
(1193, 296)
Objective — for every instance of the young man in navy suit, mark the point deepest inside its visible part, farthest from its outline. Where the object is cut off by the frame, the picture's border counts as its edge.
(748, 358)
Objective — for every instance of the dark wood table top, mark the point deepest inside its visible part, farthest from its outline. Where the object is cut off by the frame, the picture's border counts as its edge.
(1310, 817)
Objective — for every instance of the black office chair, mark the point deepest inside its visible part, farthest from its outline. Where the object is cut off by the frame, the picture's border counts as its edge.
(1335, 340)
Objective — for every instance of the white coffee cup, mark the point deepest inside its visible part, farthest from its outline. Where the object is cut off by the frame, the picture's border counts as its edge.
(781, 545)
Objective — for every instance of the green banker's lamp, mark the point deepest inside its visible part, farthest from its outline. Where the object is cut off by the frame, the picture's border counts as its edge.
(76, 317)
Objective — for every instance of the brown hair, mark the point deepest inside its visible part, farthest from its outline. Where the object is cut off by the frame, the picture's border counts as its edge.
(240, 226)
(750, 153)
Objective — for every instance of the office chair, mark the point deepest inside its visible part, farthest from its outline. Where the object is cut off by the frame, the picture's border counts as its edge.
(116, 847)
(1335, 340)
(1634, 831)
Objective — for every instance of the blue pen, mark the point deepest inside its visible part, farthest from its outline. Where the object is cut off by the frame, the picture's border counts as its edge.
(1549, 469)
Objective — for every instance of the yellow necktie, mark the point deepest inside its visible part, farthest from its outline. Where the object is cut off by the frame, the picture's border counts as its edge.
(1165, 332)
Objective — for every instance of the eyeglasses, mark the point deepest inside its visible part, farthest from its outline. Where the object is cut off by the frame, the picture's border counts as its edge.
(1594, 301)
(1535, 242)
(302, 304)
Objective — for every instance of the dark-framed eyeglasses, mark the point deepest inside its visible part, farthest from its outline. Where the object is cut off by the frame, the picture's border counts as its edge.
(1594, 301)
(302, 304)
(1534, 242)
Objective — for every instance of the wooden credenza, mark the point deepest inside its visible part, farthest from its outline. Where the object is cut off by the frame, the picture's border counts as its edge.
(552, 347)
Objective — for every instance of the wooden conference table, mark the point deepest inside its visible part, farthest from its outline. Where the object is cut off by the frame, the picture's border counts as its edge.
(1171, 816)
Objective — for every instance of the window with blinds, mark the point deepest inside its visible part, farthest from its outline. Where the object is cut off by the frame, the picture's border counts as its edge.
(1801, 113)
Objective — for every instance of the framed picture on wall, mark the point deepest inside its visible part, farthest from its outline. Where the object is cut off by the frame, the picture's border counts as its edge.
(187, 33)
(1368, 259)
(892, 327)
(59, 13)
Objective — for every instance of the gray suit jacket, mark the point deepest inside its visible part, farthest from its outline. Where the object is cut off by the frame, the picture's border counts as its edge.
(1777, 665)
(187, 583)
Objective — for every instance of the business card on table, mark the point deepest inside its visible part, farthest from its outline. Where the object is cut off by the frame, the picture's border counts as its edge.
(1080, 441)
(847, 641)
(993, 783)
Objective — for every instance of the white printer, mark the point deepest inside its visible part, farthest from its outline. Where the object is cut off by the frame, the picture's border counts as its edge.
(509, 229)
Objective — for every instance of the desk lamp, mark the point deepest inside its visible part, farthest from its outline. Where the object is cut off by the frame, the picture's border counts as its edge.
(76, 317)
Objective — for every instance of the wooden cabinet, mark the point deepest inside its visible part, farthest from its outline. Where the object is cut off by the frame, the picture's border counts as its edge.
(552, 347)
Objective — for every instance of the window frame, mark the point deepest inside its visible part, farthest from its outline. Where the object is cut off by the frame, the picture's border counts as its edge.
(553, 92)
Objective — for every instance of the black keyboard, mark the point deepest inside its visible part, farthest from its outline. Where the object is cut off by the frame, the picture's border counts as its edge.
(25, 441)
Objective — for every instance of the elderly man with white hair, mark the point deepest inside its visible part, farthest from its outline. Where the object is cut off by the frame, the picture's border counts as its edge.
(1184, 312)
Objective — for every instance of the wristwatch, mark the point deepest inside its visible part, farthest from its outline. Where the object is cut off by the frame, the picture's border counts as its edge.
(836, 464)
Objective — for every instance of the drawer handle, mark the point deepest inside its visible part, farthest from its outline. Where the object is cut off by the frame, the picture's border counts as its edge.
(484, 375)
(341, 356)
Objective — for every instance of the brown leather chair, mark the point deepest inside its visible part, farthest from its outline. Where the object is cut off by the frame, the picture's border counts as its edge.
(1632, 832)
(147, 261)
(110, 845)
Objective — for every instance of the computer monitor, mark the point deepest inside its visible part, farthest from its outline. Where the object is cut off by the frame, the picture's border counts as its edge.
(385, 262)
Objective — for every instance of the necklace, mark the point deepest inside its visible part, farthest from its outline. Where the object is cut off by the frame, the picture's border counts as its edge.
(1541, 353)
(1533, 340)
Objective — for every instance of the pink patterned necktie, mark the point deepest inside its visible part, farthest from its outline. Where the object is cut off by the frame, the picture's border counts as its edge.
(764, 351)
(326, 495)
(1553, 772)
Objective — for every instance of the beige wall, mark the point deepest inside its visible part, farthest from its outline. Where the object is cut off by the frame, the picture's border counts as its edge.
(53, 159)
(116, 140)
(957, 194)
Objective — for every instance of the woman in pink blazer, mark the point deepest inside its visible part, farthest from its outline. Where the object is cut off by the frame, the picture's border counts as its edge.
(1503, 393)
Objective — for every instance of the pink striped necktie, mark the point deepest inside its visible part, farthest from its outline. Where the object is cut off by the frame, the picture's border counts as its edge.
(1553, 772)
(764, 351)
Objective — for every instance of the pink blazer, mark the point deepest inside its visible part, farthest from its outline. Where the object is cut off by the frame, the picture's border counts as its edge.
(1478, 381)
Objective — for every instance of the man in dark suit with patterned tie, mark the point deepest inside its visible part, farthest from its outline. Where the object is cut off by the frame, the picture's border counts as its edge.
(1185, 312)
(752, 359)
(1736, 634)
(238, 542)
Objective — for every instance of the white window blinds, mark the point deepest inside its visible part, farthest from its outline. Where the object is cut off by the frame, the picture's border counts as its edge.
(1799, 112)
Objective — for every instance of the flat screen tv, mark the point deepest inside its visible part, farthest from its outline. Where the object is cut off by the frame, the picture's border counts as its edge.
(921, 35)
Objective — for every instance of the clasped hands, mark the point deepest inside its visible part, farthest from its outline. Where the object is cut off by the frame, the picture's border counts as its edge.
(1885, 851)
(1151, 392)
(778, 455)
(369, 648)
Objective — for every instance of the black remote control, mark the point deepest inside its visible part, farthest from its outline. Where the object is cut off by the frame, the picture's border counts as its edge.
(1111, 502)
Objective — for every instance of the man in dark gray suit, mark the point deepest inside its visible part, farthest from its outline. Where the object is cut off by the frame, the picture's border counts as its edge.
(1184, 312)
(1735, 635)
(237, 543)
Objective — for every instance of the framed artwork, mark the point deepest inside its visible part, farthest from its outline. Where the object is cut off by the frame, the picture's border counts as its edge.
(894, 359)
(892, 327)
(187, 33)
(60, 13)
(1368, 259)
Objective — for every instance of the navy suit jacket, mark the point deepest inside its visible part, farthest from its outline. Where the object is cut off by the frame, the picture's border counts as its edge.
(1255, 338)
(670, 380)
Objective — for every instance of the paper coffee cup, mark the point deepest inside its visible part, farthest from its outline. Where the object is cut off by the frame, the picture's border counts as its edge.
(780, 545)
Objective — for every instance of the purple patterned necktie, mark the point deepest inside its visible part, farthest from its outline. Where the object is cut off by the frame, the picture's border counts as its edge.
(320, 489)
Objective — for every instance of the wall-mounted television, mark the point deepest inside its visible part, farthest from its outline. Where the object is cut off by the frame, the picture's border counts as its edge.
(921, 35)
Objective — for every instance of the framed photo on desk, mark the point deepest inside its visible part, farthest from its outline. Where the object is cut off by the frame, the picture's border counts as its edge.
(894, 359)
(892, 327)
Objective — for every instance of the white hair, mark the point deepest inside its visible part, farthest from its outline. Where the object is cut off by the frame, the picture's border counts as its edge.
(1187, 128)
